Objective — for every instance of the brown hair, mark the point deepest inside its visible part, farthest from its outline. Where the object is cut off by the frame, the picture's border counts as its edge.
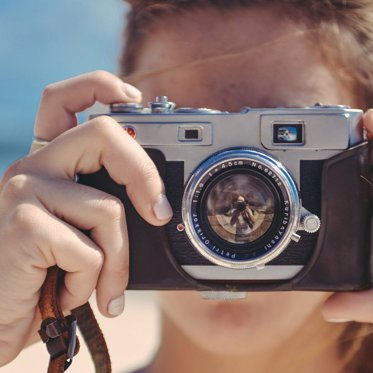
(344, 31)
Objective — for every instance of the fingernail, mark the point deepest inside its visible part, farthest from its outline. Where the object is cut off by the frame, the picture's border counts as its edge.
(131, 91)
(336, 320)
(116, 306)
(162, 208)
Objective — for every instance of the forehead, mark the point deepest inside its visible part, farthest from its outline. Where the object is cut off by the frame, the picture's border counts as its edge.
(255, 57)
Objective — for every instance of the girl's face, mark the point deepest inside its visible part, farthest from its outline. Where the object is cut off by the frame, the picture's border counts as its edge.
(266, 61)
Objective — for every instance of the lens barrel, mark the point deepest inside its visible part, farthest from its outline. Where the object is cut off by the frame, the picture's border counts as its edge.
(240, 208)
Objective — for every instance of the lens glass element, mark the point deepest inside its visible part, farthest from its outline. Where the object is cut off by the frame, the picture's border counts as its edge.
(240, 208)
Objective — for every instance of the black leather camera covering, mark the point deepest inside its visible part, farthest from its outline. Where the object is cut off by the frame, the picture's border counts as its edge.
(337, 258)
(343, 253)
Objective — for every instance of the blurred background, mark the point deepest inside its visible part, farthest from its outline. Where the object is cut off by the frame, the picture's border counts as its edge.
(44, 41)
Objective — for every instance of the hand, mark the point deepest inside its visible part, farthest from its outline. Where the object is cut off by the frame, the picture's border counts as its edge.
(352, 306)
(42, 209)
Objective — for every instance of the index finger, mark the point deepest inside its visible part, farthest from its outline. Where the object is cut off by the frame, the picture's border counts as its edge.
(103, 142)
(61, 101)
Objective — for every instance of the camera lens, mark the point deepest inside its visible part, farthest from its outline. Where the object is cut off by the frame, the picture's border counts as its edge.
(239, 207)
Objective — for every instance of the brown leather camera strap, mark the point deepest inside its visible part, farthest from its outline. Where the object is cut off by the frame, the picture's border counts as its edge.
(58, 332)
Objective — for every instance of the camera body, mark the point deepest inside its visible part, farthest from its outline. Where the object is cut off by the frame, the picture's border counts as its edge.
(263, 199)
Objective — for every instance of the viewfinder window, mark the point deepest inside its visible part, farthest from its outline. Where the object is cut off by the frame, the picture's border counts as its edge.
(191, 134)
(284, 133)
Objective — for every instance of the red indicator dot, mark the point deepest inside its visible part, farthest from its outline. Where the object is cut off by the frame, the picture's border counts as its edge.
(180, 227)
(131, 131)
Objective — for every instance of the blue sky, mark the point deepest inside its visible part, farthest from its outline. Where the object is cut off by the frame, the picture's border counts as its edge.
(43, 41)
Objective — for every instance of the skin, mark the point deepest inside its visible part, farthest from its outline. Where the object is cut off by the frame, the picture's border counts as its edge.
(283, 68)
(253, 332)
(39, 198)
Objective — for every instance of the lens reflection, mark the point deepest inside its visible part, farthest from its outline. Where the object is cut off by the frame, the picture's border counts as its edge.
(240, 208)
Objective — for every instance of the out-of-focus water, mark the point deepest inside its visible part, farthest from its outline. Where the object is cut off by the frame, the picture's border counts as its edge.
(42, 42)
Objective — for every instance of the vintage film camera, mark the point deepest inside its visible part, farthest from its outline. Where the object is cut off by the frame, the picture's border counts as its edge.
(263, 199)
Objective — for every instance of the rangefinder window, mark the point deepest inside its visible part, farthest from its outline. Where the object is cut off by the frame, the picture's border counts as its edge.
(285, 133)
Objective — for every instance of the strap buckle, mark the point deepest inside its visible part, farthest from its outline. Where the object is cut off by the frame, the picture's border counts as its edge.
(53, 334)
(71, 321)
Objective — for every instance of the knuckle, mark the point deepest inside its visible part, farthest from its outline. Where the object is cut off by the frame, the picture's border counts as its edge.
(104, 121)
(25, 218)
(112, 207)
(97, 261)
(102, 126)
(100, 76)
(49, 91)
(15, 187)
(93, 263)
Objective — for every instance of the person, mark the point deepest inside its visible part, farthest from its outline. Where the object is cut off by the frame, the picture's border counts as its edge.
(221, 54)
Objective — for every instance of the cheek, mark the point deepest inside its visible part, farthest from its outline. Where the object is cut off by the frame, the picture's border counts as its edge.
(262, 321)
